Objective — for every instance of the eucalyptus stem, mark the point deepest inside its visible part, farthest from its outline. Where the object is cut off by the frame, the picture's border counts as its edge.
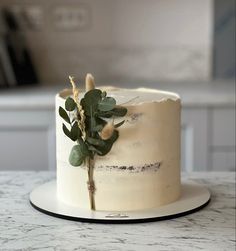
(90, 166)
(91, 185)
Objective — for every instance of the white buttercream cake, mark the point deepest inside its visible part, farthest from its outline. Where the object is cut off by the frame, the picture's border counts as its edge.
(142, 171)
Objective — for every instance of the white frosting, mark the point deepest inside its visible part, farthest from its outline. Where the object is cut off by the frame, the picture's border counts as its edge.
(143, 168)
(139, 95)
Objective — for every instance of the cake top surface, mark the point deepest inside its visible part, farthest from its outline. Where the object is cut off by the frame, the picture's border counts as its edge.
(132, 96)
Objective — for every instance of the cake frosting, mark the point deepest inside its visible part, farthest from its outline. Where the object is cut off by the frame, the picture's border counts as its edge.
(142, 171)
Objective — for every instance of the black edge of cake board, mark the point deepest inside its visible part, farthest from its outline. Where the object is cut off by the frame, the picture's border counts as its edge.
(127, 221)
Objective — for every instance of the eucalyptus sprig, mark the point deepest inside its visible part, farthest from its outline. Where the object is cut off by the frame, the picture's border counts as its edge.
(90, 127)
(97, 106)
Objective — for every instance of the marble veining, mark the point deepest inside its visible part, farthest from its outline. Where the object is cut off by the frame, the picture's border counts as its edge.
(24, 228)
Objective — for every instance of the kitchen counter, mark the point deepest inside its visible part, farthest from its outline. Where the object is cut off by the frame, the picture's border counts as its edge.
(192, 94)
(24, 228)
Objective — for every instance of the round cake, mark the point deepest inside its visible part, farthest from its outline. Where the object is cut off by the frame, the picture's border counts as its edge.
(142, 170)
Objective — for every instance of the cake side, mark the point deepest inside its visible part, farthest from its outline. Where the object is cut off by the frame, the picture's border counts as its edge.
(141, 171)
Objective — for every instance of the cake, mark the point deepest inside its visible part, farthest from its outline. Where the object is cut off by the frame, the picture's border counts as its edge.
(142, 169)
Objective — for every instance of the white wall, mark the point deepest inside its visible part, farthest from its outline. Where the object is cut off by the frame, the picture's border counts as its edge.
(126, 40)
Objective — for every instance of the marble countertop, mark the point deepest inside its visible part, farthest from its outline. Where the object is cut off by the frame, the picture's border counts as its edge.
(24, 228)
(192, 94)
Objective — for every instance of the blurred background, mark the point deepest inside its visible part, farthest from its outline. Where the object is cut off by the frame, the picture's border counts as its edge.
(185, 46)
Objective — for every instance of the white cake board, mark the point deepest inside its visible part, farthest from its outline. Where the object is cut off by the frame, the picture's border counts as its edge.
(193, 198)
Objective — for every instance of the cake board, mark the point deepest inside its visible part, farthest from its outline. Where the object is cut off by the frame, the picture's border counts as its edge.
(193, 198)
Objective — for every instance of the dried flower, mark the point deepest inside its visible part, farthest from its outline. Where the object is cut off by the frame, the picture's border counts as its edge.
(89, 82)
(81, 122)
(107, 131)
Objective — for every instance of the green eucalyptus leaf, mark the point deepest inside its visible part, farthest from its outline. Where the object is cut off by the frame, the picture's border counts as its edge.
(70, 104)
(101, 151)
(107, 114)
(94, 141)
(114, 137)
(119, 124)
(66, 131)
(64, 114)
(93, 97)
(105, 149)
(75, 132)
(107, 104)
(84, 148)
(119, 111)
(76, 157)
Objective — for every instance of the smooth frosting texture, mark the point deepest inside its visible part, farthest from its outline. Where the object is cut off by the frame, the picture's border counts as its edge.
(142, 170)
